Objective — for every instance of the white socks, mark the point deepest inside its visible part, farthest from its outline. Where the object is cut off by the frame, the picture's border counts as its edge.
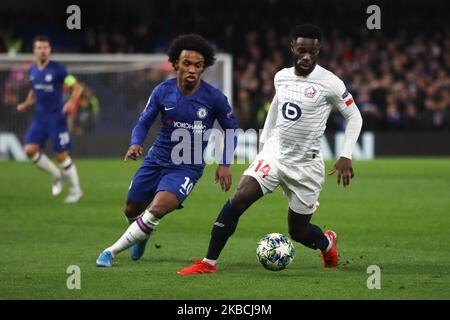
(136, 232)
(211, 262)
(69, 172)
(43, 162)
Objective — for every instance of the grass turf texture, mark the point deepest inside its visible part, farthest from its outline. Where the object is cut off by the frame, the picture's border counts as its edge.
(396, 214)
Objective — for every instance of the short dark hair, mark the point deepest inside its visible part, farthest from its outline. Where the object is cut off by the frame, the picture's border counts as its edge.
(42, 38)
(306, 30)
(193, 42)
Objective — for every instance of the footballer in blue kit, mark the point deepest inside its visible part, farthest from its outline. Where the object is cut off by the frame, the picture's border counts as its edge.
(47, 80)
(188, 107)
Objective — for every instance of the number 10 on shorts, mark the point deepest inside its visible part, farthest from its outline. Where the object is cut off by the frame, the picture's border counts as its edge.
(265, 169)
(187, 186)
(64, 138)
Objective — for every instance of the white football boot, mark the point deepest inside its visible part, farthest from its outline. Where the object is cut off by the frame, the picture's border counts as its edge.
(57, 186)
(74, 196)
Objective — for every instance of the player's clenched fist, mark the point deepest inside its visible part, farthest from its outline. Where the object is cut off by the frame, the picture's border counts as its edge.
(134, 151)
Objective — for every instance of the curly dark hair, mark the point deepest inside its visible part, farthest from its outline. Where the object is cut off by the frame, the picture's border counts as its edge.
(306, 30)
(193, 42)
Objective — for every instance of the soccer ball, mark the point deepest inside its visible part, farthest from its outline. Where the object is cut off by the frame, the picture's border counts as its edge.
(275, 251)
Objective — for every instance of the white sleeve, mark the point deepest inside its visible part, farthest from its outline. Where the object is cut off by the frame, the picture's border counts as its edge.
(271, 120)
(343, 101)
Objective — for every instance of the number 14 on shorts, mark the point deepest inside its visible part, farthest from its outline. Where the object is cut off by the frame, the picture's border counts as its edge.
(263, 168)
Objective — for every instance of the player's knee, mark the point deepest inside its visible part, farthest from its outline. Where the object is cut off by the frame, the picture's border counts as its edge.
(61, 156)
(30, 151)
(240, 201)
(159, 210)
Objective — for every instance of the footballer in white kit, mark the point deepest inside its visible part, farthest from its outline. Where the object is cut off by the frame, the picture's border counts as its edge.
(291, 157)
(293, 131)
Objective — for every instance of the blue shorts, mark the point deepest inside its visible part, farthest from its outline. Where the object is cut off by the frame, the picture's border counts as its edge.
(152, 178)
(54, 127)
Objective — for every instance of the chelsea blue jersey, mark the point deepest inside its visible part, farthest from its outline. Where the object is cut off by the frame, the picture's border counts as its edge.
(47, 85)
(195, 114)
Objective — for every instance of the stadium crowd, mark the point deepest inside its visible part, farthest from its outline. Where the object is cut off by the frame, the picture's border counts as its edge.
(399, 78)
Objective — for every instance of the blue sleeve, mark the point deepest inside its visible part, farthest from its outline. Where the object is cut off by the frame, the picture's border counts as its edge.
(30, 83)
(62, 72)
(227, 121)
(146, 119)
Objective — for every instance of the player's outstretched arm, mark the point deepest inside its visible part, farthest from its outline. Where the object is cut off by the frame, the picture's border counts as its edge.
(227, 121)
(29, 101)
(344, 165)
(343, 100)
(134, 152)
(144, 123)
(77, 90)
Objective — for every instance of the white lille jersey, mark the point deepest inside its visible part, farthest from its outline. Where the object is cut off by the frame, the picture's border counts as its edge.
(292, 135)
(303, 105)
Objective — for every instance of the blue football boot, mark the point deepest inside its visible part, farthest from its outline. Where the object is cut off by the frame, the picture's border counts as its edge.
(138, 249)
(104, 260)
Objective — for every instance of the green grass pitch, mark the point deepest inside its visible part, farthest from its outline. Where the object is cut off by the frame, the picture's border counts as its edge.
(396, 214)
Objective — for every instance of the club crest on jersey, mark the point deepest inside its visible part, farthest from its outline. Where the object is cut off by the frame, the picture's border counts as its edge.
(202, 113)
(48, 77)
(310, 92)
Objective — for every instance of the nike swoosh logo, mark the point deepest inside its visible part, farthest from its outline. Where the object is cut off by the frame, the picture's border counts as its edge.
(167, 109)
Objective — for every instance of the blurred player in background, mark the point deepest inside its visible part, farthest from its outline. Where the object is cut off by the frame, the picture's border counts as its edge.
(290, 157)
(185, 102)
(47, 79)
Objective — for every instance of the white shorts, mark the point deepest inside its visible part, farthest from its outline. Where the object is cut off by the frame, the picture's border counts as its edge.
(301, 183)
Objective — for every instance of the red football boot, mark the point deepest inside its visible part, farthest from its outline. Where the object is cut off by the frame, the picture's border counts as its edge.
(331, 257)
(199, 267)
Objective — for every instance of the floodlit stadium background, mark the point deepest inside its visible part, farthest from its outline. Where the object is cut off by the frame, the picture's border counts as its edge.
(399, 75)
